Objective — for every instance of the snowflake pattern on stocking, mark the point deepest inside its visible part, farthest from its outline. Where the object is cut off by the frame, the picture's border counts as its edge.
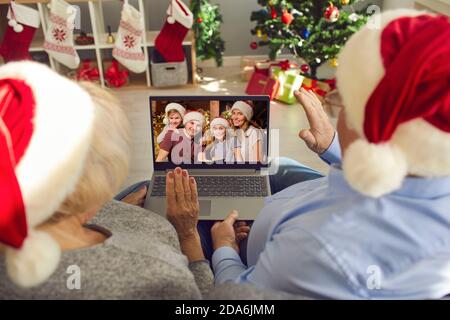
(129, 41)
(59, 34)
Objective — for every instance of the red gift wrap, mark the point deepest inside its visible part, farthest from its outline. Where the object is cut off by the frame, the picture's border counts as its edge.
(260, 84)
(115, 77)
(88, 72)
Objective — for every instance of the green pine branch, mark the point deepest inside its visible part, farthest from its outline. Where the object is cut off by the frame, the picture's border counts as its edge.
(206, 27)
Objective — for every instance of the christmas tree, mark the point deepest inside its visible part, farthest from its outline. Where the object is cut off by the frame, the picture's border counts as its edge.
(313, 30)
(207, 21)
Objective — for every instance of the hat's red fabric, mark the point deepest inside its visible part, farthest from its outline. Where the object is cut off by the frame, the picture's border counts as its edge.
(416, 84)
(17, 106)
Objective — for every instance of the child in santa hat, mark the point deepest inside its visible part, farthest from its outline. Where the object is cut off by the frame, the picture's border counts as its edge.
(248, 135)
(173, 119)
(184, 145)
(224, 146)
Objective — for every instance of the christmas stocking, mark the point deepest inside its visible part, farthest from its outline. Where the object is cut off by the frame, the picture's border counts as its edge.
(168, 43)
(127, 48)
(59, 37)
(22, 24)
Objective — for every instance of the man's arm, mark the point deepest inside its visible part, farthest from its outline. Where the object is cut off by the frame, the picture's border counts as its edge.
(286, 266)
(333, 153)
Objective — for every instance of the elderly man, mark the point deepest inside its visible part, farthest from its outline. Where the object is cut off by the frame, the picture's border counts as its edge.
(379, 225)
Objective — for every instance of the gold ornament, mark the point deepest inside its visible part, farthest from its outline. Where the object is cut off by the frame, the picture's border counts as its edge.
(258, 33)
(265, 37)
(345, 2)
(110, 38)
(334, 62)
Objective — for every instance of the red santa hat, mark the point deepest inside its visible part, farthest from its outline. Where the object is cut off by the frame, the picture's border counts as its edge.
(194, 116)
(45, 130)
(219, 121)
(245, 108)
(394, 79)
(173, 106)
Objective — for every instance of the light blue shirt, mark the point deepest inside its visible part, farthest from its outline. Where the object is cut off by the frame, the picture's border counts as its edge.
(324, 238)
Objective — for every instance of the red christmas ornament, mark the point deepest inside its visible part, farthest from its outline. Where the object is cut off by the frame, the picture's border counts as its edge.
(287, 18)
(304, 68)
(199, 20)
(253, 45)
(331, 13)
(273, 13)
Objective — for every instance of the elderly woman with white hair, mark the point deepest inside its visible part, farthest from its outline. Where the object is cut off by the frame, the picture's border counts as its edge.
(63, 153)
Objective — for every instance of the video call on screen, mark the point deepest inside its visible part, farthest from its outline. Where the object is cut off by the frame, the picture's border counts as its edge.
(209, 131)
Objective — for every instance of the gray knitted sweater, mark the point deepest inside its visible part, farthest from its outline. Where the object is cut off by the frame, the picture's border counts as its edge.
(140, 260)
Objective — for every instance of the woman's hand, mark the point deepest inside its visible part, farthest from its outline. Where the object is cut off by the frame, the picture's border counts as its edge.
(182, 202)
(183, 211)
(223, 233)
(321, 132)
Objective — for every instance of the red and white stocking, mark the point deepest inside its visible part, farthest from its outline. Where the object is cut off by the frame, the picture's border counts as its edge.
(128, 46)
(22, 24)
(169, 42)
(59, 37)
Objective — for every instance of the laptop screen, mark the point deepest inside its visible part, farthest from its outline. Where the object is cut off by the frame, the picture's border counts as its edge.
(209, 131)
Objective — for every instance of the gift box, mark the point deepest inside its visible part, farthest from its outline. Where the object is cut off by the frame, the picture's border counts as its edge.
(116, 76)
(284, 65)
(260, 84)
(88, 71)
(320, 87)
(290, 81)
(248, 67)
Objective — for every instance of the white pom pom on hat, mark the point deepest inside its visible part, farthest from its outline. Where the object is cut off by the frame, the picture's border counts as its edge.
(55, 125)
(36, 260)
(374, 169)
(386, 107)
(243, 107)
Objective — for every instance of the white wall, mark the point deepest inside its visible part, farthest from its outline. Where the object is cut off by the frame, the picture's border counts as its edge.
(394, 4)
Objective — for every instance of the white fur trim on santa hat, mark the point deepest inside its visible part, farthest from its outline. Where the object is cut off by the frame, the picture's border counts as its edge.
(173, 106)
(219, 121)
(63, 123)
(361, 67)
(194, 116)
(35, 261)
(243, 107)
(24, 15)
(374, 169)
(175, 13)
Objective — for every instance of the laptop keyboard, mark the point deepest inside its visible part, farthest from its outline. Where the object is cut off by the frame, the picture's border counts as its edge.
(220, 186)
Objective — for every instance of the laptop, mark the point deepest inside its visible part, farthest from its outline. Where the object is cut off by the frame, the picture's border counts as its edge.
(228, 160)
